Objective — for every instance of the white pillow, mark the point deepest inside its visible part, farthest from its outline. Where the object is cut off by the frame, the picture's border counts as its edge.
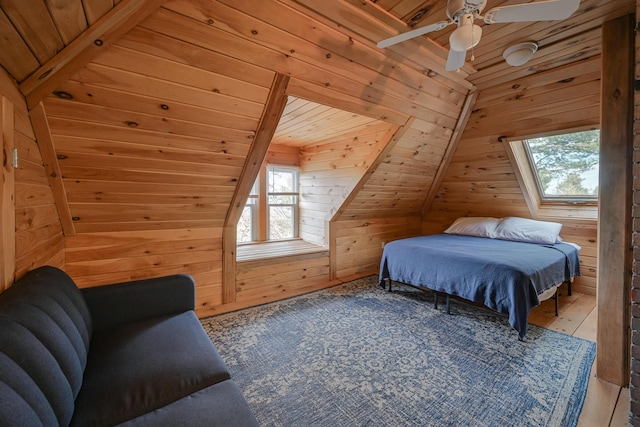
(479, 226)
(528, 230)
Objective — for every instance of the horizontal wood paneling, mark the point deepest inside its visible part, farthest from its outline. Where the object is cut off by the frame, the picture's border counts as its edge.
(157, 131)
(186, 126)
(481, 180)
(94, 259)
(329, 170)
(359, 243)
(269, 280)
(400, 184)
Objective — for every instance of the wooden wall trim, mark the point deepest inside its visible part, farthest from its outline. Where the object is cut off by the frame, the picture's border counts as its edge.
(271, 114)
(7, 198)
(375, 159)
(615, 226)
(456, 136)
(45, 144)
(95, 40)
(370, 164)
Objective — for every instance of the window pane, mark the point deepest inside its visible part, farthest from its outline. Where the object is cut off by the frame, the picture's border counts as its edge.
(282, 181)
(567, 165)
(245, 225)
(282, 200)
(281, 222)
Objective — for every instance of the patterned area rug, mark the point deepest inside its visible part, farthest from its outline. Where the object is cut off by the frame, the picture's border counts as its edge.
(356, 355)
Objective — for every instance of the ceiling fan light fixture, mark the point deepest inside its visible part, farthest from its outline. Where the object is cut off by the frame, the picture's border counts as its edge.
(519, 54)
(466, 36)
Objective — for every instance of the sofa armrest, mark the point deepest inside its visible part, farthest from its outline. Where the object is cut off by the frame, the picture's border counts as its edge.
(120, 303)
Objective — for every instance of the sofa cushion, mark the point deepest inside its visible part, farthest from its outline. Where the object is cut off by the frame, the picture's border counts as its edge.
(142, 366)
(45, 331)
(221, 404)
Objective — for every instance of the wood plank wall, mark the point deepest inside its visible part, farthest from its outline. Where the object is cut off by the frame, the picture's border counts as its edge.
(271, 279)
(151, 135)
(38, 234)
(108, 257)
(328, 172)
(359, 242)
(481, 180)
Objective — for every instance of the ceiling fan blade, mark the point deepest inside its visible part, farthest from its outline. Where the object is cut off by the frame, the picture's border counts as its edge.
(413, 33)
(550, 10)
(455, 60)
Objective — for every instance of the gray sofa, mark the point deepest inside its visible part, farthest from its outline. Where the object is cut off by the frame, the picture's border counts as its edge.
(125, 354)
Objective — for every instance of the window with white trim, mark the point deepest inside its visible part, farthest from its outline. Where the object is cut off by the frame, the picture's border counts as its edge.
(565, 166)
(558, 173)
(271, 212)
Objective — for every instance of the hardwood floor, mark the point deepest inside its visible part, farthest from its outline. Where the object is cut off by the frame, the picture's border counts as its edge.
(605, 404)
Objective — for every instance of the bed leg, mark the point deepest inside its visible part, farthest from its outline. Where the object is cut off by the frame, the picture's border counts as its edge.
(435, 300)
(448, 304)
(557, 299)
(389, 280)
(569, 288)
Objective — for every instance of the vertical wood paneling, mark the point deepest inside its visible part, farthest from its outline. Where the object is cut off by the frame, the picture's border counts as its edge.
(481, 180)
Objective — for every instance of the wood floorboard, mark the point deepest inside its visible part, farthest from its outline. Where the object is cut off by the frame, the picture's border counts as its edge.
(605, 404)
(621, 413)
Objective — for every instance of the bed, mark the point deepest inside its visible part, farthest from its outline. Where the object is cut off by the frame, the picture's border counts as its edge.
(504, 275)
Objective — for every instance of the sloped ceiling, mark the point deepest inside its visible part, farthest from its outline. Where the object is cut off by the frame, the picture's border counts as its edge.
(151, 107)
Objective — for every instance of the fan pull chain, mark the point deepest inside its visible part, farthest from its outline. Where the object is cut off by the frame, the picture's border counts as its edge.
(473, 47)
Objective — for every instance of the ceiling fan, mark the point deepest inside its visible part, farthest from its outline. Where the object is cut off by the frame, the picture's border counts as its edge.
(463, 13)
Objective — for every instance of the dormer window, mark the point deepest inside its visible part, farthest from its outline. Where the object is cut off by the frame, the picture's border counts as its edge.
(275, 189)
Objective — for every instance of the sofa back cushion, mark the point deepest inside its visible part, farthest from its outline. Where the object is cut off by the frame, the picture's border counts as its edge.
(45, 330)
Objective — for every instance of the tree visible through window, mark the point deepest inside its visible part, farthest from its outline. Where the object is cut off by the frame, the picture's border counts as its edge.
(282, 202)
(566, 165)
(247, 230)
(278, 192)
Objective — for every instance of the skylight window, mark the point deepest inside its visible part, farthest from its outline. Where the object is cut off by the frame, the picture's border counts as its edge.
(558, 174)
(565, 166)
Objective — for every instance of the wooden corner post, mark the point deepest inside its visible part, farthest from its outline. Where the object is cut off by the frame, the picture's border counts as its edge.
(8, 210)
(615, 188)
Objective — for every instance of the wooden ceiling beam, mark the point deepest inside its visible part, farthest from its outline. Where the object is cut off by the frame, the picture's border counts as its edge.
(96, 39)
(52, 168)
(271, 114)
(456, 136)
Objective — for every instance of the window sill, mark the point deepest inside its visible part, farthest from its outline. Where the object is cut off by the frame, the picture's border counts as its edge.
(568, 211)
(291, 249)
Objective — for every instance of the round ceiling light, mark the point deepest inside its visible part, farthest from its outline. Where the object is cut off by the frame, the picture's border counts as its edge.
(519, 54)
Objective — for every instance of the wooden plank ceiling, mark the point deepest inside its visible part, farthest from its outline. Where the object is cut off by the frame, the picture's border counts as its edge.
(33, 32)
(152, 130)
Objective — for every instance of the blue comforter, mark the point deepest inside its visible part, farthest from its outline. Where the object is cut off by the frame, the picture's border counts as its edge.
(503, 275)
